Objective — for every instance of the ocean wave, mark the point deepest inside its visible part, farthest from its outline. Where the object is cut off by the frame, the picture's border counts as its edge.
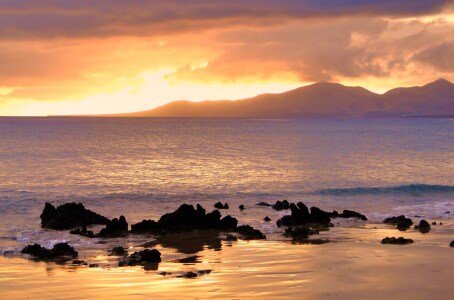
(400, 189)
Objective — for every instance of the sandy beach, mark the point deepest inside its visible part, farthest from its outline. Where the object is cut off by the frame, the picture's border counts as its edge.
(353, 265)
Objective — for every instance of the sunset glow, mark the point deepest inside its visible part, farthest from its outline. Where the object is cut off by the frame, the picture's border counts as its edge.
(114, 56)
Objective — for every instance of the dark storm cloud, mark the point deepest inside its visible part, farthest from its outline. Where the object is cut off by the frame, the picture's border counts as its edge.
(63, 18)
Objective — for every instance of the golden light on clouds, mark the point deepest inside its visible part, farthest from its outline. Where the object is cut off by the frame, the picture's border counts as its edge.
(75, 58)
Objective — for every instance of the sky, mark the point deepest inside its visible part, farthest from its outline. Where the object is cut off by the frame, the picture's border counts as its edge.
(62, 57)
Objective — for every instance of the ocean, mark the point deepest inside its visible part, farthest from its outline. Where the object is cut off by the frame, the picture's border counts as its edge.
(142, 168)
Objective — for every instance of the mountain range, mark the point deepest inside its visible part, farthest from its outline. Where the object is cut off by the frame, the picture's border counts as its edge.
(324, 99)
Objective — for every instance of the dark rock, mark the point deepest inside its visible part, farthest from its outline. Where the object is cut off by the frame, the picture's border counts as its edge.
(141, 258)
(402, 226)
(118, 251)
(145, 226)
(396, 241)
(93, 266)
(204, 272)
(219, 205)
(434, 223)
(451, 244)
(68, 216)
(320, 216)
(441, 223)
(263, 204)
(228, 223)
(303, 210)
(397, 220)
(423, 226)
(115, 228)
(250, 233)
(83, 232)
(281, 205)
(266, 219)
(187, 218)
(352, 214)
(60, 250)
(241, 207)
(231, 238)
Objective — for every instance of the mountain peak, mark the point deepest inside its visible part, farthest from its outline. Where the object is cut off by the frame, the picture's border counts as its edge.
(440, 82)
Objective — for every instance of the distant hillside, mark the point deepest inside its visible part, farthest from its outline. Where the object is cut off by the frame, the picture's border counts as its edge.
(435, 99)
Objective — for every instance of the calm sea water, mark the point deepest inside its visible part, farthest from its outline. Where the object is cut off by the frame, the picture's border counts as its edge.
(144, 167)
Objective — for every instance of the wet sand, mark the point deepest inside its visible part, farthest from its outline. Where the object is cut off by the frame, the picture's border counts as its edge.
(353, 265)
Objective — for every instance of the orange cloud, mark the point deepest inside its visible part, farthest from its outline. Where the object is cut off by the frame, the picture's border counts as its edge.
(63, 56)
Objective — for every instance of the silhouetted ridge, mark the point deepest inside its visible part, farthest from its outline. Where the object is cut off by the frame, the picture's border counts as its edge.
(323, 99)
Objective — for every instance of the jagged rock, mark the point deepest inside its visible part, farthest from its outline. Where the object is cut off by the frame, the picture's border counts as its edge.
(281, 205)
(219, 205)
(69, 215)
(83, 232)
(320, 216)
(115, 228)
(266, 219)
(241, 207)
(396, 241)
(145, 226)
(250, 233)
(228, 223)
(300, 216)
(118, 251)
(59, 251)
(141, 258)
(423, 226)
(352, 214)
(185, 218)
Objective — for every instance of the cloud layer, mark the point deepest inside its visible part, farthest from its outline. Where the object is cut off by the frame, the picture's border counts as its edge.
(71, 50)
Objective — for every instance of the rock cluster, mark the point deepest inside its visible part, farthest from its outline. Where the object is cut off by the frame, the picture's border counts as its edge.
(397, 241)
(59, 251)
(185, 218)
(250, 233)
(69, 215)
(141, 258)
(219, 205)
(401, 221)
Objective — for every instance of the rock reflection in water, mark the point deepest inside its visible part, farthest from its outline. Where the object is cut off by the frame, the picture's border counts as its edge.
(190, 242)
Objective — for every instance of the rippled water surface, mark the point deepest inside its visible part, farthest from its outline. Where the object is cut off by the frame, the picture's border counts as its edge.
(142, 168)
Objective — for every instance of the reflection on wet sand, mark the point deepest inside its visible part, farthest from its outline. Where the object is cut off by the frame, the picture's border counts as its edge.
(190, 242)
(356, 265)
